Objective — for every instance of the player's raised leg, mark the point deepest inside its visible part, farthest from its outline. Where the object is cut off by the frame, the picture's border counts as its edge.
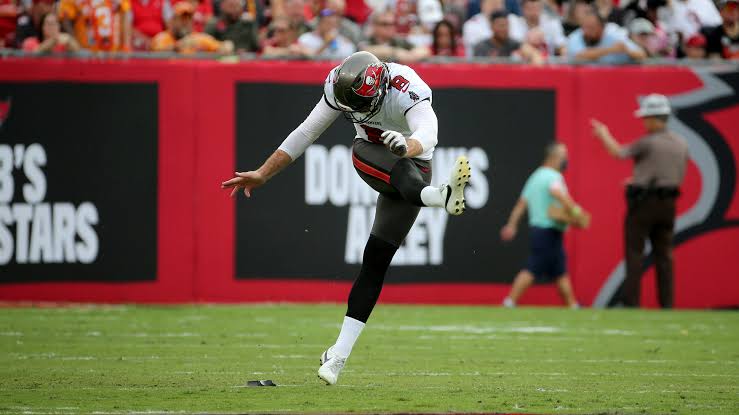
(386, 172)
(450, 196)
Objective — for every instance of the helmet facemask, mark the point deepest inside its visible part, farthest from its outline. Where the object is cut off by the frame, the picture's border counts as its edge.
(363, 99)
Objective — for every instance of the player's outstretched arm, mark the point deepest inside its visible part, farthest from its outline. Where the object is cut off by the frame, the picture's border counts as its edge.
(293, 147)
(250, 180)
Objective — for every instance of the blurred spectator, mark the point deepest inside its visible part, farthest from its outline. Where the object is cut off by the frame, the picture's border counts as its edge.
(9, 11)
(203, 12)
(149, 18)
(347, 28)
(384, 43)
(455, 13)
(663, 42)
(687, 17)
(235, 25)
(29, 20)
(477, 28)
(511, 6)
(51, 38)
(641, 32)
(597, 42)
(295, 12)
(445, 42)
(99, 25)
(429, 13)
(412, 15)
(723, 41)
(653, 40)
(325, 41)
(574, 13)
(358, 11)
(179, 37)
(536, 39)
(501, 45)
(695, 47)
(282, 41)
(532, 17)
(552, 8)
(608, 11)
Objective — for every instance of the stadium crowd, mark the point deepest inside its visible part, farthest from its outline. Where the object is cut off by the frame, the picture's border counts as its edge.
(533, 31)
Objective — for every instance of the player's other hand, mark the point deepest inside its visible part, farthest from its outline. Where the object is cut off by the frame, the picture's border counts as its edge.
(508, 232)
(395, 142)
(248, 181)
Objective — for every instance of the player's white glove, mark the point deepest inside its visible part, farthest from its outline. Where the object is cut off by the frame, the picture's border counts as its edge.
(395, 142)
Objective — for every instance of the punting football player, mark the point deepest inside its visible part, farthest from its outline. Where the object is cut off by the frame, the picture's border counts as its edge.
(396, 132)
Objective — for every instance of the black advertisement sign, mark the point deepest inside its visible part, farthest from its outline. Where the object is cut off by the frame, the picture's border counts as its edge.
(313, 219)
(78, 181)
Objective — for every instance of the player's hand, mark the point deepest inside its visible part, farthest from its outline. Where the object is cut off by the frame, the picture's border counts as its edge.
(508, 232)
(395, 142)
(245, 180)
(600, 130)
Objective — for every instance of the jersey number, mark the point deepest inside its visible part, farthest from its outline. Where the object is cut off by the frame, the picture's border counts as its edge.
(373, 134)
(400, 83)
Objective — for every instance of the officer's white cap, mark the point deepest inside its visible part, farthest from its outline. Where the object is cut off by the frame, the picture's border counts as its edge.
(653, 104)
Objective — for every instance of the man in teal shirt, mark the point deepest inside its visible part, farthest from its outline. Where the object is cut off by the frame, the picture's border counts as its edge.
(547, 262)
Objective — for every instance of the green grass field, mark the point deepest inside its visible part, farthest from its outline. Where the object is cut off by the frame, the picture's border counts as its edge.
(196, 359)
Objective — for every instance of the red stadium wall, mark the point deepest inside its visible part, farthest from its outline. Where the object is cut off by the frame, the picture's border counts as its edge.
(196, 230)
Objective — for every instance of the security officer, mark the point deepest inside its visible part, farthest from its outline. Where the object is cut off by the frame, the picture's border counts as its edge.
(660, 159)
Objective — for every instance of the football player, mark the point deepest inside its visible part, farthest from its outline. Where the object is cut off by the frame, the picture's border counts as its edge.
(390, 106)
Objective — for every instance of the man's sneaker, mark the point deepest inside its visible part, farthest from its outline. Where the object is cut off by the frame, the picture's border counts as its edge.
(331, 365)
(453, 192)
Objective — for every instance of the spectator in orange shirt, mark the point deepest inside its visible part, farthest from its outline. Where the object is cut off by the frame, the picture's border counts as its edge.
(51, 38)
(99, 25)
(203, 11)
(181, 38)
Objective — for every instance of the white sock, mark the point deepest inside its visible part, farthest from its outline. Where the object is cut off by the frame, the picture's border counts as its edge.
(432, 196)
(350, 331)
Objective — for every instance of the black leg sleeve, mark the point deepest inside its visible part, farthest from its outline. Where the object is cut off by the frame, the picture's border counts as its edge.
(367, 286)
(406, 178)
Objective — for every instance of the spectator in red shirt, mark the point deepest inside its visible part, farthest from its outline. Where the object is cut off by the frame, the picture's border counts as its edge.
(445, 42)
(51, 38)
(8, 16)
(149, 17)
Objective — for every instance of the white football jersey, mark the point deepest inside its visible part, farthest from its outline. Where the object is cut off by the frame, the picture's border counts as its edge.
(406, 90)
